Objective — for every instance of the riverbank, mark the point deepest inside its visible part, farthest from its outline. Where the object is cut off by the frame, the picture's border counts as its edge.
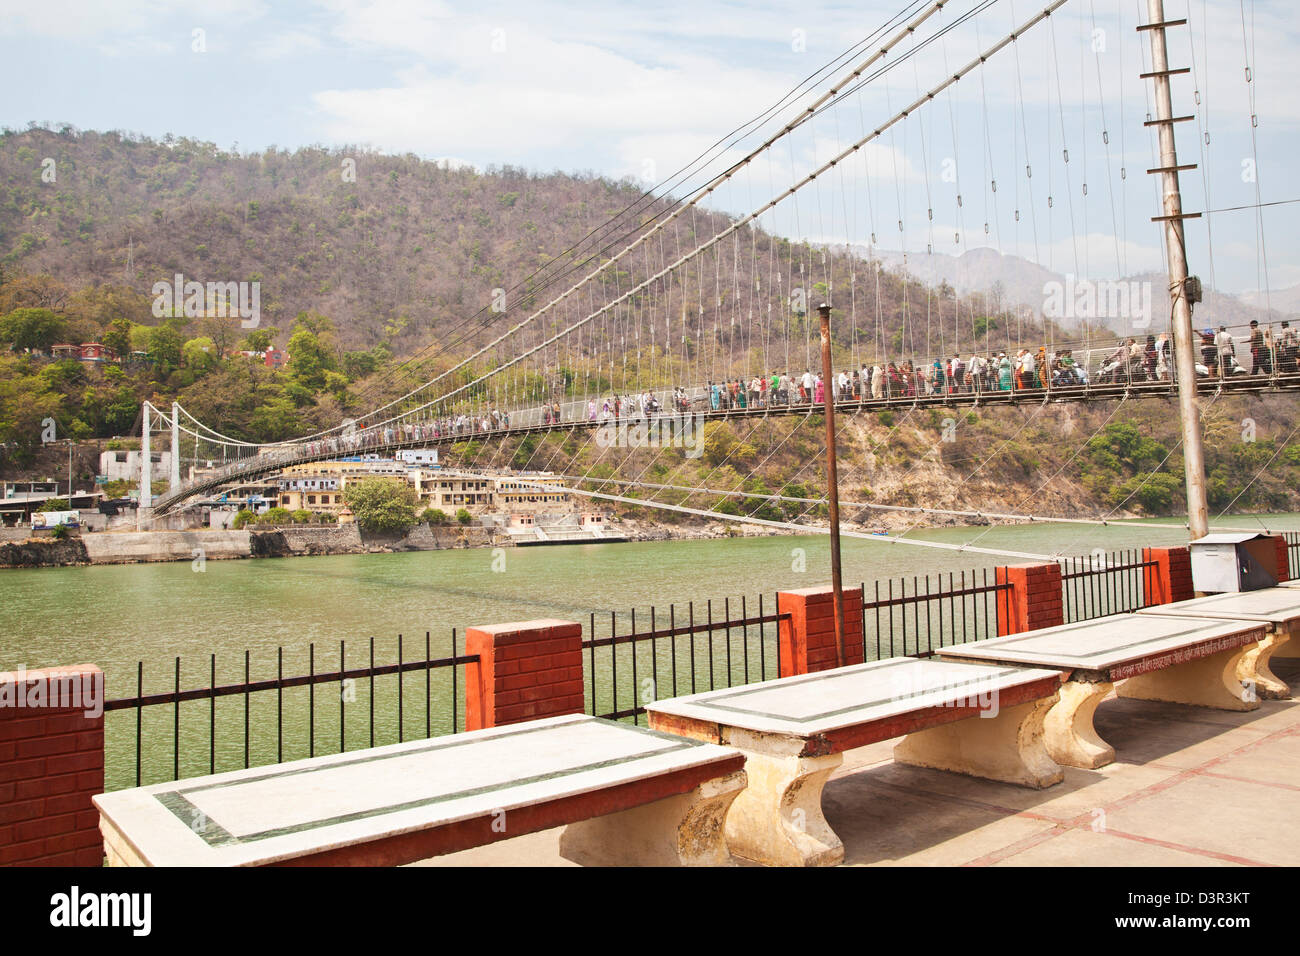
(20, 550)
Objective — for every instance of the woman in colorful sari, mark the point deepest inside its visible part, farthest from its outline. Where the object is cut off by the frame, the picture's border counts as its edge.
(1004, 372)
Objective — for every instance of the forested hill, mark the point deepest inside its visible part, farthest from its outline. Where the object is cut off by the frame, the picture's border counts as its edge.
(389, 247)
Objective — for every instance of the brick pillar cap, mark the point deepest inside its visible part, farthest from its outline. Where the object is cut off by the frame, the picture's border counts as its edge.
(42, 673)
(813, 592)
(540, 624)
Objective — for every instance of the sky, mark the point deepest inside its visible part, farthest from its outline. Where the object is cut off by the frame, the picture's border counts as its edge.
(638, 90)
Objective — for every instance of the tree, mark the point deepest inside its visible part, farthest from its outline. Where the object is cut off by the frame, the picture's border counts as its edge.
(165, 346)
(118, 337)
(259, 340)
(382, 504)
(55, 504)
(200, 354)
(310, 359)
(463, 516)
(435, 516)
(34, 329)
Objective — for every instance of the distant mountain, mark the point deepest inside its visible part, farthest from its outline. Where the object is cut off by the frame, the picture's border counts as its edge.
(1010, 281)
(978, 271)
(1283, 301)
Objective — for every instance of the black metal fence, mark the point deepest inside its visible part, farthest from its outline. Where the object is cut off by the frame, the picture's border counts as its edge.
(1103, 583)
(273, 718)
(678, 651)
(949, 609)
(1292, 553)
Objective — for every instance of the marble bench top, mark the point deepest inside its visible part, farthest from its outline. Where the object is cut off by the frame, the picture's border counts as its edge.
(1280, 606)
(305, 807)
(852, 706)
(1114, 647)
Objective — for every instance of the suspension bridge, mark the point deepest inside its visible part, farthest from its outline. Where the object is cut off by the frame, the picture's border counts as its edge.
(696, 282)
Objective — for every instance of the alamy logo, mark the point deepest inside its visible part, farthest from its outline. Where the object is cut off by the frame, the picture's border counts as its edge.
(75, 908)
(220, 300)
(1108, 299)
(686, 431)
(61, 690)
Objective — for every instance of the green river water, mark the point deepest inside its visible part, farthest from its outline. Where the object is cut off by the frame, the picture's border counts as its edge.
(116, 616)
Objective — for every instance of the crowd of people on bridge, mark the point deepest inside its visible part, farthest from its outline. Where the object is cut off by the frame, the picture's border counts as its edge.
(1149, 359)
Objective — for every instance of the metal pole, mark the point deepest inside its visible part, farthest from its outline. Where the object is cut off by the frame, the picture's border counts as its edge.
(832, 480)
(1198, 521)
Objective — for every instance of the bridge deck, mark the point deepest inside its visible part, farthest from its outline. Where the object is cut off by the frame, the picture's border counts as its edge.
(520, 426)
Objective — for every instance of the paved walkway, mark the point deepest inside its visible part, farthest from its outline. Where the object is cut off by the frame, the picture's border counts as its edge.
(1189, 787)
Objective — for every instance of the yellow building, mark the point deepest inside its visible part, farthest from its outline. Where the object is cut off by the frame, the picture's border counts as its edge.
(319, 486)
(519, 493)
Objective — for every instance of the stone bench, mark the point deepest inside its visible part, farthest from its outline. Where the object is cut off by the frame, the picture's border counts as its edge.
(628, 796)
(979, 720)
(1179, 660)
(1277, 608)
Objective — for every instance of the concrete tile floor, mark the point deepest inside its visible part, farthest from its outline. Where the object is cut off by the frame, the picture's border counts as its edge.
(1189, 787)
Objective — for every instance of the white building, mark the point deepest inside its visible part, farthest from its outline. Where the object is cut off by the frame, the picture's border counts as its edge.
(418, 456)
(125, 465)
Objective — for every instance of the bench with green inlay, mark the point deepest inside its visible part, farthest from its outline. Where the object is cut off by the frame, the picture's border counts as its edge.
(973, 719)
(1278, 607)
(625, 794)
(1179, 660)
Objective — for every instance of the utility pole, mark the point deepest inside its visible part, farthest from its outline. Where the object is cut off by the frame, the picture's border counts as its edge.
(832, 480)
(1198, 515)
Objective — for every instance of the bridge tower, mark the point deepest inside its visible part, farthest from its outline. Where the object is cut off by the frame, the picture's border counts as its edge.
(175, 472)
(144, 509)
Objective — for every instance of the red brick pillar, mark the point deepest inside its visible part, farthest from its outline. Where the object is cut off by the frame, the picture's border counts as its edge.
(1033, 601)
(526, 671)
(807, 638)
(1283, 558)
(1170, 579)
(51, 764)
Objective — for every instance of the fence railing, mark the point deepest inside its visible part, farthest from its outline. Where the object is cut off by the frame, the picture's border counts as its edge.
(679, 650)
(1292, 553)
(276, 718)
(1102, 584)
(941, 613)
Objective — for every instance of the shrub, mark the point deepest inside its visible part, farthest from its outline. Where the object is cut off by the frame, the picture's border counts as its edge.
(275, 515)
(382, 504)
(55, 504)
(435, 516)
(242, 518)
(464, 517)
(301, 516)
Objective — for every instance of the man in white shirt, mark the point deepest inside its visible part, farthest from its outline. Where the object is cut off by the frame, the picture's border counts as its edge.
(1227, 349)
(806, 387)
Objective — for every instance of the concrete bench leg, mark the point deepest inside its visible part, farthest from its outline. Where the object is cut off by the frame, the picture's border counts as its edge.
(1254, 669)
(685, 830)
(1071, 739)
(1205, 682)
(1008, 747)
(778, 819)
(117, 851)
